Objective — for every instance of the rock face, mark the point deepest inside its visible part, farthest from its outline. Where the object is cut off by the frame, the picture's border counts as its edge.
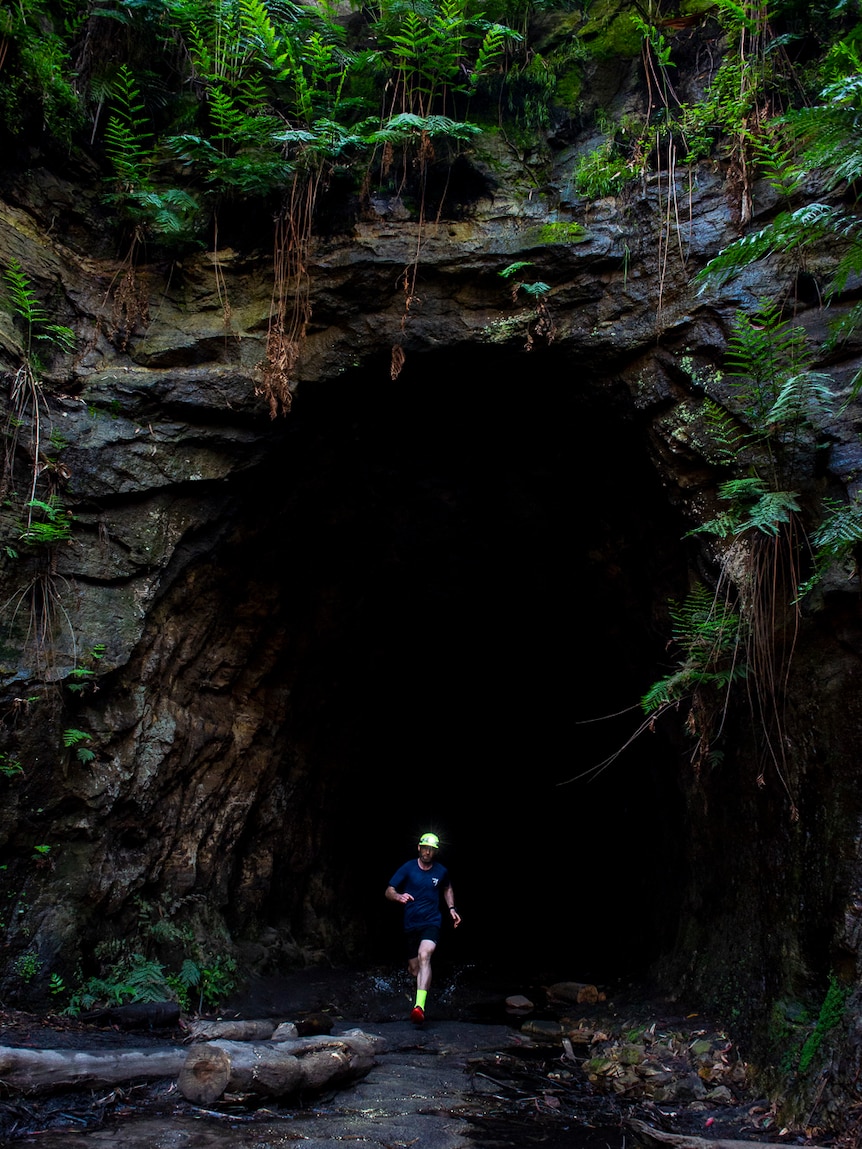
(270, 650)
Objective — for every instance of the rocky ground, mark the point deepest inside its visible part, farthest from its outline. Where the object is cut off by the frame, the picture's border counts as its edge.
(548, 1069)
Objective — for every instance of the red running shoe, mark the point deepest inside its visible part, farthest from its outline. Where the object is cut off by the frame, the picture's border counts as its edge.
(418, 1015)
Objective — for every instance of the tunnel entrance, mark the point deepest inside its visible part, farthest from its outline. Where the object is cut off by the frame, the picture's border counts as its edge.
(489, 550)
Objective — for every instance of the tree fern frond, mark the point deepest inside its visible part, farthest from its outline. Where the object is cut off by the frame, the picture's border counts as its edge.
(708, 633)
(127, 138)
(723, 431)
(771, 510)
(407, 125)
(790, 231)
(802, 398)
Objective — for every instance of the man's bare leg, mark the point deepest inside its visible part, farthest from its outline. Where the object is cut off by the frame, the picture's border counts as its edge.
(420, 968)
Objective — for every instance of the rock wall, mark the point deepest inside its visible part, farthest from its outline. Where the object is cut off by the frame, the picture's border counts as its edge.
(206, 629)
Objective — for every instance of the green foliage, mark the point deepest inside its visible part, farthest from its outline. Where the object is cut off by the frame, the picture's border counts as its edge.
(562, 232)
(427, 49)
(602, 172)
(836, 538)
(132, 979)
(655, 38)
(536, 289)
(813, 226)
(75, 739)
(10, 766)
(168, 212)
(26, 306)
(753, 506)
(27, 966)
(709, 636)
(136, 978)
(217, 981)
(53, 527)
(725, 434)
(775, 391)
(831, 1014)
(408, 127)
(38, 88)
(82, 676)
(826, 136)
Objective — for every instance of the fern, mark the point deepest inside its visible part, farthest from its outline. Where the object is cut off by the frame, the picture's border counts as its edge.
(190, 974)
(708, 634)
(514, 268)
(408, 126)
(27, 307)
(754, 506)
(777, 164)
(492, 50)
(144, 980)
(807, 227)
(258, 30)
(723, 431)
(73, 737)
(127, 139)
(802, 398)
(838, 537)
(54, 527)
(779, 394)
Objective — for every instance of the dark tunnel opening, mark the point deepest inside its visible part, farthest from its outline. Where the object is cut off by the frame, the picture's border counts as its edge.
(493, 553)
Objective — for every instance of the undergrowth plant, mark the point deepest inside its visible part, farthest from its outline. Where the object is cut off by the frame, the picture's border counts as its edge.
(824, 136)
(44, 522)
(763, 418)
(162, 959)
(435, 59)
(38, 91)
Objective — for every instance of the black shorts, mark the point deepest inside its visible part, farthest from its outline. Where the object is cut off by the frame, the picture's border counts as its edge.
(413, 937)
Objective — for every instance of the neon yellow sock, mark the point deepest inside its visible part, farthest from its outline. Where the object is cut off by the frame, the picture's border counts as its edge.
(421, 995)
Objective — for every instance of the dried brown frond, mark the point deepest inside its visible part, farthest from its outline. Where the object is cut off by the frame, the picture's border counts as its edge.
(290, 310)
(397, 361)
(278, 367)
(130, 308)
(426, 149)
(544, 327)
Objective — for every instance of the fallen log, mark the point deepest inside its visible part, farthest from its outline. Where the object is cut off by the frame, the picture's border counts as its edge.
(650, 1138)
(232, 1030)
(275, 1069)
(44, 1070)
(137, 1015)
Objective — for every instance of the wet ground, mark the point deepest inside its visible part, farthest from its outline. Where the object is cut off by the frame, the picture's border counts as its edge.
(472, 1078)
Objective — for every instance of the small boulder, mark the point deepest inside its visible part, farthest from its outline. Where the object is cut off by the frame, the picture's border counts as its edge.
(517, 1001)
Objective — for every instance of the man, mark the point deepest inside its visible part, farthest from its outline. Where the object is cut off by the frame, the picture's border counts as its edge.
(418, 886)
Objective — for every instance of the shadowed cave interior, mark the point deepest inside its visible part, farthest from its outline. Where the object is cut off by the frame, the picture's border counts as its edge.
(481, 554)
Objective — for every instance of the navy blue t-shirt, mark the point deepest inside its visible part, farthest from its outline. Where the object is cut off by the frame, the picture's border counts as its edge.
(426, 887)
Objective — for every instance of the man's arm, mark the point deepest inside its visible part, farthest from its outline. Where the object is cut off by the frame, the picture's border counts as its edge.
(449, 896)
(393, 896)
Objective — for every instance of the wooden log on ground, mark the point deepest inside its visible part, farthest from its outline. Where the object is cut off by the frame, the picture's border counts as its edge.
(232, 1030)
(45, 1070)
(650, 1138)
(274, 1069)
(137, 1015)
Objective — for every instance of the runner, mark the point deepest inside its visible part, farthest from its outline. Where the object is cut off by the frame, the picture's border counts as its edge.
(417, 885)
